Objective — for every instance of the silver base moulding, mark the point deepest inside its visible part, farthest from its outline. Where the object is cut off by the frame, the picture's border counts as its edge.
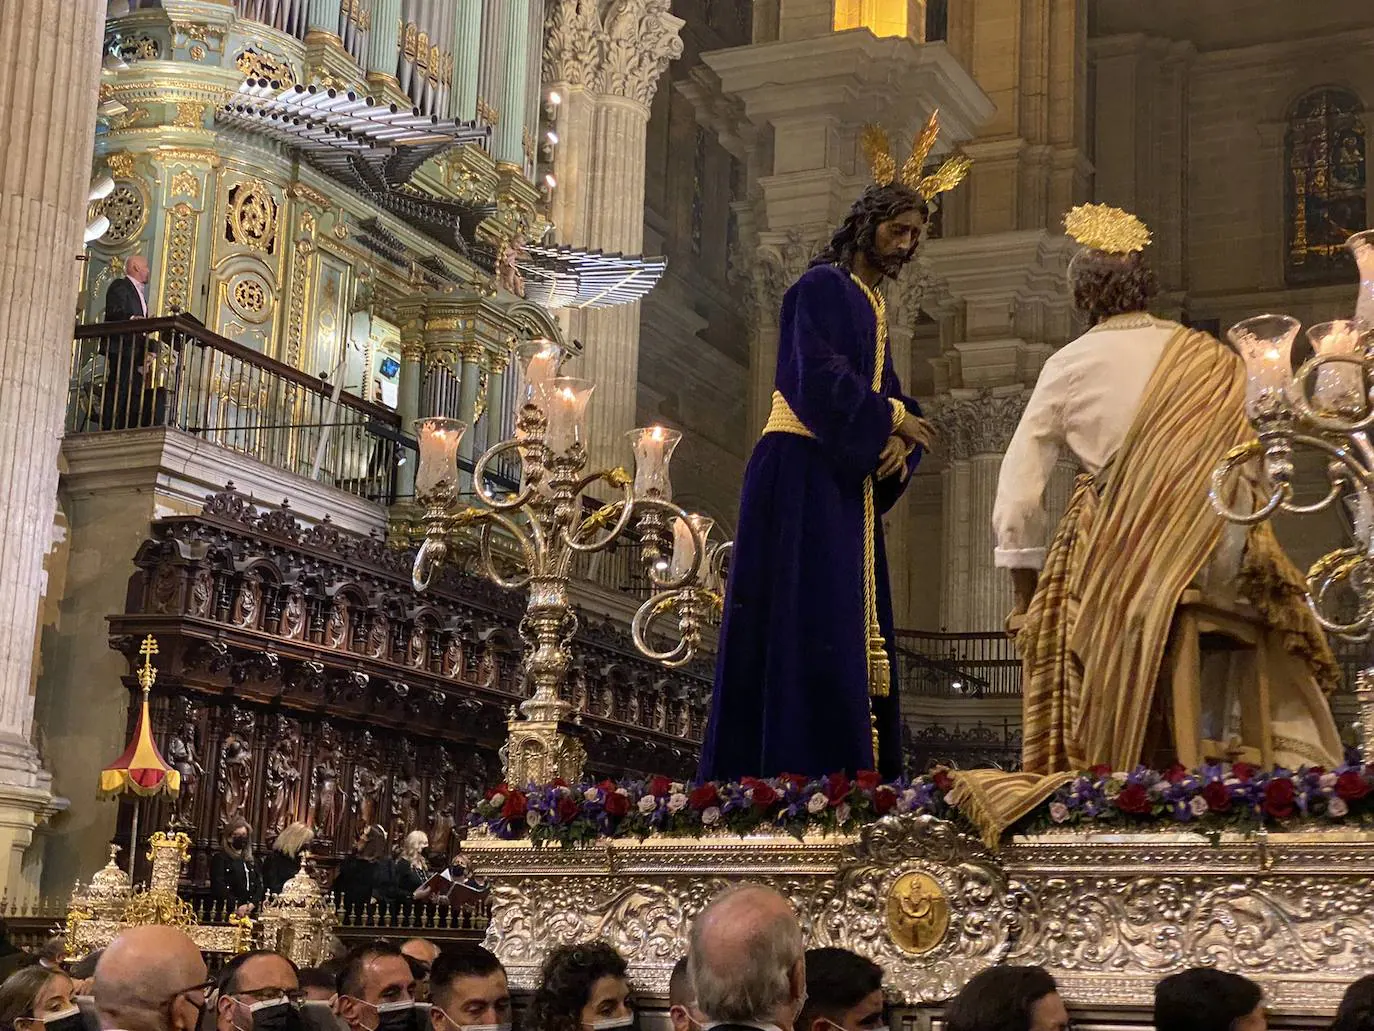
(1107, 914)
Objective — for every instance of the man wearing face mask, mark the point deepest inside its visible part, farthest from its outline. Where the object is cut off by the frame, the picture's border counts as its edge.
(746, 962)
(151, 978)
(259, 991)
(844, 992)
(682, 1000)
(468, 990)
(377, 990)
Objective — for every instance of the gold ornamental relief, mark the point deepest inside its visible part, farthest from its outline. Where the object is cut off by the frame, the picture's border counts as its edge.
(252, 218)
(186, 184)
(190, 115)
(261, 65)
(121, 164)
(917, 913)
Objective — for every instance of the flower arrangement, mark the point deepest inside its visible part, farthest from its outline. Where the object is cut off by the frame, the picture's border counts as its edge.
(1212, 798)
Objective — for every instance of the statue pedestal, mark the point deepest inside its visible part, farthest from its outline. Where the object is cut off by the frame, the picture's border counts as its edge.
(1107, 914)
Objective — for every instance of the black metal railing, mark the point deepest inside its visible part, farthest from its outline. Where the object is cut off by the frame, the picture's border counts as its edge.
(968, 665)
(174, 373)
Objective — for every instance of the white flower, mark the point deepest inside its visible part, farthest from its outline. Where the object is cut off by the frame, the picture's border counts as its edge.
(817, 803)
(497, 800)
(647, 804)
(710, 815)
(1328, 781)
(1198, 806)
(1157, 789)
(1059, 812)
(533, 818)
(592, 794)
(907, 802)
(677, 802)
(1337, 807)
(842, 812)
(677, 787)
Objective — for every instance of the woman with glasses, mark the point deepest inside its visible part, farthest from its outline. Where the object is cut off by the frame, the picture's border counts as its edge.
(37, 998)
(582, 988)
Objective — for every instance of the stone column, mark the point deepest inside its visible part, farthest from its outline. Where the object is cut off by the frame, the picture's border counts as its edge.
(47, 132)
(383, 43)
(467, 47)
(408, 388)
(471, 377)
(508, 144)
(323, 16)
(606, 71)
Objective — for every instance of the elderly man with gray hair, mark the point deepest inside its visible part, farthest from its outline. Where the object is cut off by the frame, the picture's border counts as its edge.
(747, 961)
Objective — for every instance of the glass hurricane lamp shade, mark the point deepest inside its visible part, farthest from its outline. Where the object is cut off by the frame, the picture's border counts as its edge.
(1340, 386)
(683, 547)
(1361, 247)
(1265, 343)
(653, 447)
(564, 402)
(437, 472)
(539, 359)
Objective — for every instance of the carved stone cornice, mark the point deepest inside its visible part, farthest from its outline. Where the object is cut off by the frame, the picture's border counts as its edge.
(620, 49)
(981, 422)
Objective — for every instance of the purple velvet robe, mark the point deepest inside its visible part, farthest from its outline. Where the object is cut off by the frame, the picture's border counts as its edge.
(791, 691)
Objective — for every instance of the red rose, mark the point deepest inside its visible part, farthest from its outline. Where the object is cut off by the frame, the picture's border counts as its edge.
(558, 782)
(796, 781)
(500, 789)
(942, 780)
(884, 799)
(1350, 785)
(703, 797)
(515, 806)
(764, 795)
(616, 804)
(1244, 772)
(868, 780)
(1217, 796)
(837, 788)
(1176, 773)
(658, 785)
(1134, 799)
(1101, 770)
(1278, 798)
(567, 809)
(1316, 771)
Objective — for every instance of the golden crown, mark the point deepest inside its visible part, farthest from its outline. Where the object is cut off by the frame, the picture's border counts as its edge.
(877, 148)
(1104, 228)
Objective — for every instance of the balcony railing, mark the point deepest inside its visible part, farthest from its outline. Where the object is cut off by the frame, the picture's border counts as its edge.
(175, 373)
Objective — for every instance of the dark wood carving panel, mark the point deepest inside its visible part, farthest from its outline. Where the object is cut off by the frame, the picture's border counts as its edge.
(301, 677)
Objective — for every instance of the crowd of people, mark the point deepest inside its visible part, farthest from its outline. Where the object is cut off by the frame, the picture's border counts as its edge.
(747, 969)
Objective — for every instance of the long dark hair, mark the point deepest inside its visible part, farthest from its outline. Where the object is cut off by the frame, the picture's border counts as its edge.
(857, 232)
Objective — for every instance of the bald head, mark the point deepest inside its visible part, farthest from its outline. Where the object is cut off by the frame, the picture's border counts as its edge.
(150, 979)
(136, 268)
(746, 959)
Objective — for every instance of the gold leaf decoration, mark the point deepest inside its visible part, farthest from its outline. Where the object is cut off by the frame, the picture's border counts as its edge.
(920, 150)
(1105, 228)
(946, 177)
(877, 148)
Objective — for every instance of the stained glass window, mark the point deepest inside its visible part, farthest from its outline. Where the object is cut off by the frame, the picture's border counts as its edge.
(1325, 155)
(698, 189)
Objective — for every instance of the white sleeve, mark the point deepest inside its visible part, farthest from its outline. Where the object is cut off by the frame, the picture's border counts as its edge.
(1018, 515)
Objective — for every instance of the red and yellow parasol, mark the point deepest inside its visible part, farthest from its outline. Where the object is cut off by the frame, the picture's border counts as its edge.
(141, 770)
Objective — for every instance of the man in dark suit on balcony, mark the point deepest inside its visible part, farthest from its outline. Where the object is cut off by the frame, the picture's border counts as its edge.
(127, 402)
(746, 961)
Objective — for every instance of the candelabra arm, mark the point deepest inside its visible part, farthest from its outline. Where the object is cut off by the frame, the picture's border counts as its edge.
(627, 506)
(479, 474)
(690, 575)
(675, 657)
(1329, 571)
(433, 551)
(1230, 466)
(531, 548)
(1302, 404)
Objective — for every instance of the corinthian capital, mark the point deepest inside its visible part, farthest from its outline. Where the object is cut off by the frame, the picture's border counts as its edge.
(972, 423)
(641, 38)
(615, 47)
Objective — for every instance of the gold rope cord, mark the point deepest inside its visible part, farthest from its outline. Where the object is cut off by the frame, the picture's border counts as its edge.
(879, 670)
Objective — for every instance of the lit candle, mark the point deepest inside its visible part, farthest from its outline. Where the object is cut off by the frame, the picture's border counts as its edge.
(438, 469)
(542, 358)
(653, 448)
(683, 546)
(1265, 342)
(564, 401)
(1340, 388)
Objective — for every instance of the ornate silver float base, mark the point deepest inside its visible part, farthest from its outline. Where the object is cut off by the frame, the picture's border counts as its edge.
(1107, 914)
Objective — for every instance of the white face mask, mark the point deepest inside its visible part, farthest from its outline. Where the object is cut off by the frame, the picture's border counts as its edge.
(484, 1027)
(613, 1024)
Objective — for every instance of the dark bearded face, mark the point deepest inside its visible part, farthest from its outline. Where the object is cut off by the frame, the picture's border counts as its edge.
(895, 241)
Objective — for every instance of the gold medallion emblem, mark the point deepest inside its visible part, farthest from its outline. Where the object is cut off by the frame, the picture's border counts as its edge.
(917, 913)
